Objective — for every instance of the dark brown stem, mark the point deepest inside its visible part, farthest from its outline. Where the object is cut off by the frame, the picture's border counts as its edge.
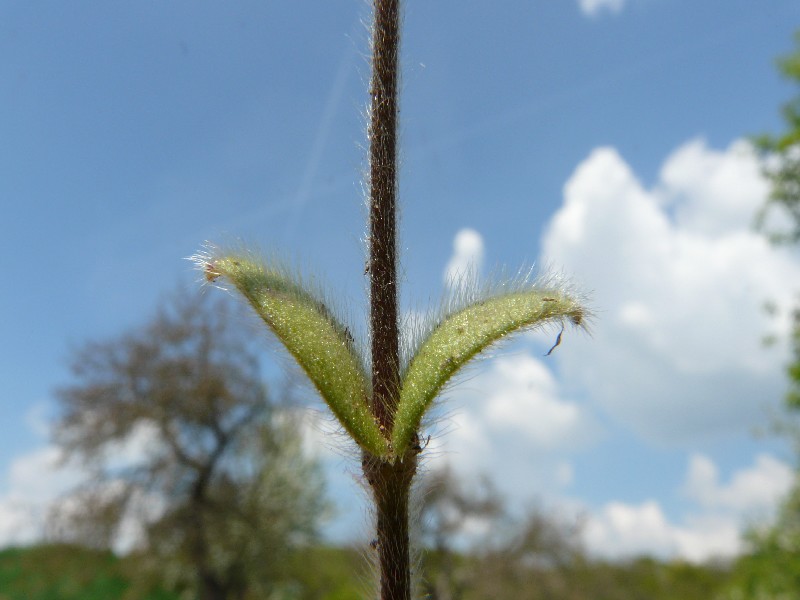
(382, 221)
(390, 481)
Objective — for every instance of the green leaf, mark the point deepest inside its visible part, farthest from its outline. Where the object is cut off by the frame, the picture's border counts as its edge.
(463, 334)
(322, 346)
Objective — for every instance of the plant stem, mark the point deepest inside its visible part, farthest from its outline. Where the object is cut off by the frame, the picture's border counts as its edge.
(383, 192)
(391, 483)
(390, 480)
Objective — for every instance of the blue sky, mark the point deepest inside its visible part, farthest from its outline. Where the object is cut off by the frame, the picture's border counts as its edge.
(600, 137)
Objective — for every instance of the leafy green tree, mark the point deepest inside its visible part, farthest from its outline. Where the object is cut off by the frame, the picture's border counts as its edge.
(380, 399)
(214, 472)
(771, 569)
(782, 157)
(783, 154)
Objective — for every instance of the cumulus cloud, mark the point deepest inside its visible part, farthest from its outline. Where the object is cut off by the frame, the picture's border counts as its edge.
(39, 480)
(594, 7)
(33, 483)
(711, 530)
(679, 279)
(753, 490)
(512, 421)
(524, 399)
(713, 193)
(623, 530)
(465, 264)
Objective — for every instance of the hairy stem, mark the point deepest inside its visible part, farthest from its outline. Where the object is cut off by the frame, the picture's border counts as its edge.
(383, 192)
(390, 480)
(390, 483)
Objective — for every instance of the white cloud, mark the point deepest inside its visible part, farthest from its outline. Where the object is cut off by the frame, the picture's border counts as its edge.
(593, 7)
(713, 193)
(511, 421)
(34, 481)
(627, 530)
(465, 264)
(678, 279)
(524, 399)
(710, 530)
(37, 480)
(143, 439)
(754, 490)
(623, 530)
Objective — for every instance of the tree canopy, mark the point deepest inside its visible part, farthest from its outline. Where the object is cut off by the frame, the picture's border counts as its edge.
(782, 151)
(191, 458)
(771, 569)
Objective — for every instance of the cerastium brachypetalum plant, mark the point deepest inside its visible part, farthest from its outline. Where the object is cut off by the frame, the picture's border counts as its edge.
(381, 400)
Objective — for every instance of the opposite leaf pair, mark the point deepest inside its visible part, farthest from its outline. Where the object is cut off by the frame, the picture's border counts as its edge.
(325, 350)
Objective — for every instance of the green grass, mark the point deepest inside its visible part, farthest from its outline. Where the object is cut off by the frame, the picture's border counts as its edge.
(65, 572)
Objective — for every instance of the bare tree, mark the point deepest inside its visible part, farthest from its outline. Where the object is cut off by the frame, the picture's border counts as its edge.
(543, 558)
(476, 549)
(175, 424)
(447, 507)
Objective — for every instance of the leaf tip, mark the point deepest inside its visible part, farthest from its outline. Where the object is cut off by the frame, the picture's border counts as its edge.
(204, 261)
